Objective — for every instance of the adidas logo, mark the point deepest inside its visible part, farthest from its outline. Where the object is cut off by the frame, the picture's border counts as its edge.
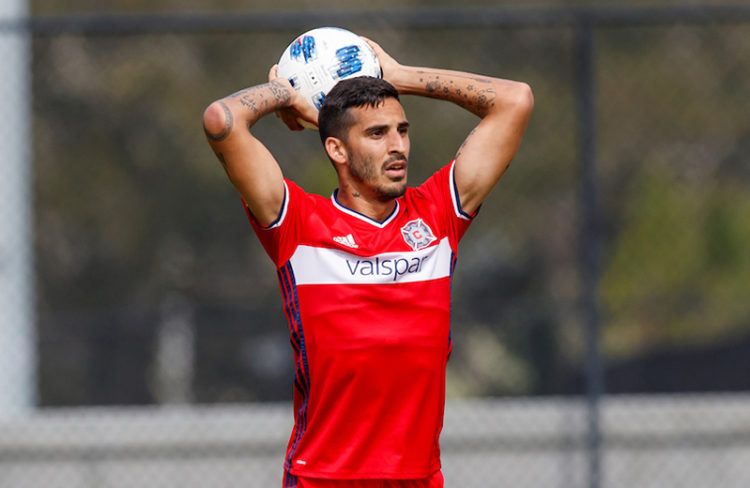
(347, 240)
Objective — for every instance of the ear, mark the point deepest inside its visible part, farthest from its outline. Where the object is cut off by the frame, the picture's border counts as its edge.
(336, 150)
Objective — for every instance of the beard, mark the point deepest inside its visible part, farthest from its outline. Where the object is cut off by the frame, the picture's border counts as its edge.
(364, 170)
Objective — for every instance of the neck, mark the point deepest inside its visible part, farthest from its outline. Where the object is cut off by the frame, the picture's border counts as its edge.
(358, 200)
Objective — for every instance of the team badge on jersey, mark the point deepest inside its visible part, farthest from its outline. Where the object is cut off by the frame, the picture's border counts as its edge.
(417, 234)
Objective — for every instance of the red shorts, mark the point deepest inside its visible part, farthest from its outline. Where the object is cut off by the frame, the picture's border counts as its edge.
(434, 481)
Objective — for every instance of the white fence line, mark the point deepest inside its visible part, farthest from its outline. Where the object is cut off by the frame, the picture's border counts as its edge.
(681, 441)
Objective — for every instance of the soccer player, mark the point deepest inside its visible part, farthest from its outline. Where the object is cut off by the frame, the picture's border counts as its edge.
(365, 274)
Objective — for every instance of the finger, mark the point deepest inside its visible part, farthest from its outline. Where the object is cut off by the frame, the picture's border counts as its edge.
(374, 45)
(290, 120)
(308, 113)
(273, 73)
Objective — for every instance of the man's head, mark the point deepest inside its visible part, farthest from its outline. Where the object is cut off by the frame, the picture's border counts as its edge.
(365, 134)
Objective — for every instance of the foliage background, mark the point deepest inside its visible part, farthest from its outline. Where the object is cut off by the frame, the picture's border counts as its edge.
(152, 288)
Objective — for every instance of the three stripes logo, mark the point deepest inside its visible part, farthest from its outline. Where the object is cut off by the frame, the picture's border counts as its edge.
(347, 240)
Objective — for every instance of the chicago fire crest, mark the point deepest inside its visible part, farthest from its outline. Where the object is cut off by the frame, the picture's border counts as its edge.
(417, 234)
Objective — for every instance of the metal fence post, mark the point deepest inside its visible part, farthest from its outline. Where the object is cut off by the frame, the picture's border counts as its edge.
(17, 332)
(589, 241)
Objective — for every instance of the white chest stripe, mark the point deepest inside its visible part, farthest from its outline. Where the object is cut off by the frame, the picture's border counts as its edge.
(320, 266)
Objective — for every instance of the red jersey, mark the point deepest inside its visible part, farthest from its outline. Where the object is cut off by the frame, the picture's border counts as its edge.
(368, 307)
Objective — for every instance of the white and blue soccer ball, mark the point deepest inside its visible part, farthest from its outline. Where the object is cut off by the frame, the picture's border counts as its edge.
(318, 59)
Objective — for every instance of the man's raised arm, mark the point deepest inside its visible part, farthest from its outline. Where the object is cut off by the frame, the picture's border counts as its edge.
(504, 106)
(250, 166)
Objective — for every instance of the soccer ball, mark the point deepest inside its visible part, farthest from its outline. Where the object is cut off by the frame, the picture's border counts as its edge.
(318, 59)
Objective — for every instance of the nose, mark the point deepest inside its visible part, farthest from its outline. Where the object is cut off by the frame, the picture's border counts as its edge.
(398, 142)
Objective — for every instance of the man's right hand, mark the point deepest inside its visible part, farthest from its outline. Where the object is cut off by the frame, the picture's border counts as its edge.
(299, 109)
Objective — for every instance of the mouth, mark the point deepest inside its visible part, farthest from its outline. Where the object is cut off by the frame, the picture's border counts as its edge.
(396, 170)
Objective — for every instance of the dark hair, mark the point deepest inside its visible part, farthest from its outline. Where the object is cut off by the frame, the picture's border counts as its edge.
(334, 118)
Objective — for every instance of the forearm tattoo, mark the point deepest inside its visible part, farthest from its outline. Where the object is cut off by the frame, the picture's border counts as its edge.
(258, 101)
(473, 97)
(280, 92)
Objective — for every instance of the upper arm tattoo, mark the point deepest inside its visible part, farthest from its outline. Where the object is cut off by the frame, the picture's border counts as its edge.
(223, 162)
(458, 153)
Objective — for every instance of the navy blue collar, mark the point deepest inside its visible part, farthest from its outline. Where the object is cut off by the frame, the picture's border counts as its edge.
(362, 216)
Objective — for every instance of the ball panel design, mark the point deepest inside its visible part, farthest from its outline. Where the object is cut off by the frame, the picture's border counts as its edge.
(318, 59)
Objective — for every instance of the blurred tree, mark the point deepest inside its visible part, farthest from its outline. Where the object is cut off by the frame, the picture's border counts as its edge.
(132, 209)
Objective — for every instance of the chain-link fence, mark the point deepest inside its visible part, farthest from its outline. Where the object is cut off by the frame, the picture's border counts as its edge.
(620, 232)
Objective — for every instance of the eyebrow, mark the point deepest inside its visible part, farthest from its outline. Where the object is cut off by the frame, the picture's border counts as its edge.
(375, 128)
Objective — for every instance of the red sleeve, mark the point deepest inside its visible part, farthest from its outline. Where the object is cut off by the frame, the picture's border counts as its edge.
(281, 237)
(441, 189)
